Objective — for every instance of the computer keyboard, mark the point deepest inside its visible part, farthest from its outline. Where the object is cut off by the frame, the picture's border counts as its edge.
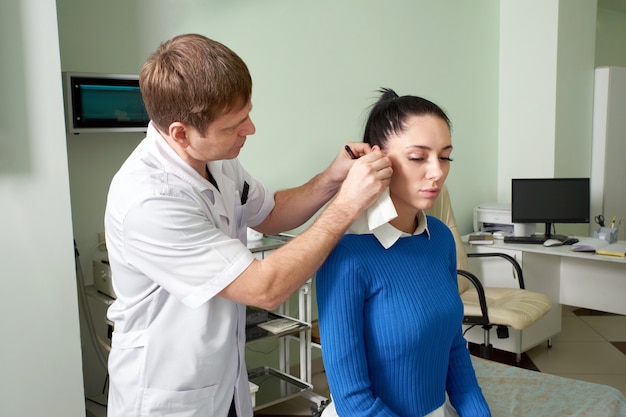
(535, 239)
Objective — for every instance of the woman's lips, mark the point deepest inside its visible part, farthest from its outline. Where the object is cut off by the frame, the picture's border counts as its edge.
(431, 192)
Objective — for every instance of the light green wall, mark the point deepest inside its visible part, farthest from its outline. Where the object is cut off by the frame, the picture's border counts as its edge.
(528, 61)
(328, 79)
(574, 88)
(610, 35)
(100, 36)
(574, 95)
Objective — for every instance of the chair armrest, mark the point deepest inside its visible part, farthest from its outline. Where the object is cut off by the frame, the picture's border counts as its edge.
(512, 260)
(482, 300)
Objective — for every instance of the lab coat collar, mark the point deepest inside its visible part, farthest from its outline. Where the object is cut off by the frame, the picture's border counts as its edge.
(386, 234)
(177, 166)
(173, 162)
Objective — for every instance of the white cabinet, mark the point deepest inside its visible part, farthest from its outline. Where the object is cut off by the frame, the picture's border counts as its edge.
(279, 384)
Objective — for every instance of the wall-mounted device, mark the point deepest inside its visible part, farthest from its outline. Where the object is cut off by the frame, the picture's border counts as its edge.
(102, 280)
(103, 103)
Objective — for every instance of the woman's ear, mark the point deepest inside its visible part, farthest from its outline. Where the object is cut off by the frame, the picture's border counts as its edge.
(381, 149)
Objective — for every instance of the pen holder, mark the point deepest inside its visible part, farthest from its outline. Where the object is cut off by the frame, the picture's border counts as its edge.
(606, 233)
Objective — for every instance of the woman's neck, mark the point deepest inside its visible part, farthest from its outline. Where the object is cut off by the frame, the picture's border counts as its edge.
(405, 223)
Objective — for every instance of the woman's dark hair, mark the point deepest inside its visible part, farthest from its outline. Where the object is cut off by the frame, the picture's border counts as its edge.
(390, 112)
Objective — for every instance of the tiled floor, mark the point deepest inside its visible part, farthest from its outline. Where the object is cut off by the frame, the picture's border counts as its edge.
(591, 347)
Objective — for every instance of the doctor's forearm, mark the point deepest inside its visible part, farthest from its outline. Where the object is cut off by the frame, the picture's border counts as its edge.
(268, 283)
(295, 206)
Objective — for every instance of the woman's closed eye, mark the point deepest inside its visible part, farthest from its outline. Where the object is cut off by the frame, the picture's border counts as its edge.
(442, 158)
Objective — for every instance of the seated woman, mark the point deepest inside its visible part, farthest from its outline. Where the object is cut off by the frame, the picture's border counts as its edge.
(389, 310)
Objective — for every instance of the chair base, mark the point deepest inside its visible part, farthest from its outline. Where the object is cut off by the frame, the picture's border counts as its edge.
(486, 351)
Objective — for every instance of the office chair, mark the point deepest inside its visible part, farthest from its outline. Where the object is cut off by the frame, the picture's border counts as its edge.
(487, 307)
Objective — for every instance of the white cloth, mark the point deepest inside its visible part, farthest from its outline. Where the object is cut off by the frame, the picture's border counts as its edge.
(381, 212)
(174, 242)
(376, 221)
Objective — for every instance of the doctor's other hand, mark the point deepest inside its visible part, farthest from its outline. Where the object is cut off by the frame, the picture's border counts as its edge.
(349, 153)
(368, 177)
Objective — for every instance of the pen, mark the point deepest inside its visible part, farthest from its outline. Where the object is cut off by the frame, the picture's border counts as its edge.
(612, 225)
(244, 193)
(347, 148)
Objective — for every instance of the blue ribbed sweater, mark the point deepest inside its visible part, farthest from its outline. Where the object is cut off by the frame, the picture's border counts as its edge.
(390, 327)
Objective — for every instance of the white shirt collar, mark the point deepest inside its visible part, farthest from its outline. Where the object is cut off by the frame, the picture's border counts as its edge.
(162, 150)
(386, 234)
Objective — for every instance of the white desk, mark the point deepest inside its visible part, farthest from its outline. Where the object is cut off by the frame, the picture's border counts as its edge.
(583, 279)
(573, 278)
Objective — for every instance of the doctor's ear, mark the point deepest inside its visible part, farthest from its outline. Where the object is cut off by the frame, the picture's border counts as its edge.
(178, 132)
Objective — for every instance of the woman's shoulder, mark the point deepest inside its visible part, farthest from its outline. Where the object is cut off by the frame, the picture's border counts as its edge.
(355, 242)
(439, 230)
(354, 248)
(436, 225)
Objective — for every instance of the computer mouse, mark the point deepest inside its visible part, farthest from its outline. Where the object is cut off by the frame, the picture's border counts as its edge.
(500, 234)
(552, 242)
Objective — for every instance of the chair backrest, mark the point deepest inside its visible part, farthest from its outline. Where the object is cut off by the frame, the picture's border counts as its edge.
(442, 209)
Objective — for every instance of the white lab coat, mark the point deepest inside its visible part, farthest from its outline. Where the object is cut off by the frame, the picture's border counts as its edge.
(174, 242)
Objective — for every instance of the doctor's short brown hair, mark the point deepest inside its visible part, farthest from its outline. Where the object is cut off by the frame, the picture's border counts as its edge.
(193, 79)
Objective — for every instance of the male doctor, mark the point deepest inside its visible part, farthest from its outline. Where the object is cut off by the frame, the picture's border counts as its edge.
(176, 219)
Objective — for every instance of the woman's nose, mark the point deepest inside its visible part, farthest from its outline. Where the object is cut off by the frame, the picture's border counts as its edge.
(434, 171)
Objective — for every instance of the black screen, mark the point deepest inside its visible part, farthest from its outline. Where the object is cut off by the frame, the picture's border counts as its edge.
(107, 102)
(550, 200)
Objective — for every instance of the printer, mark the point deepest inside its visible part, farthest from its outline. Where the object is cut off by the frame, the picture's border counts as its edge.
(493, 217)
(496, 218)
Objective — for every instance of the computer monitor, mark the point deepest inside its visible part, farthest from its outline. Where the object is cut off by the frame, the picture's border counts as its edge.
(550, 200)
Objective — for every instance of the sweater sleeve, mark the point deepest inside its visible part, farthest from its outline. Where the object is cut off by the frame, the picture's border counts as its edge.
(465, 394)
(341, 297)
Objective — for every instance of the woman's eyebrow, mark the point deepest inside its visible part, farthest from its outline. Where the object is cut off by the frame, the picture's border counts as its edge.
(428, 148)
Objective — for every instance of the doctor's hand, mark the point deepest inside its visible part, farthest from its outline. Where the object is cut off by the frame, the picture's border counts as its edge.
(368, 177)
(349, 153)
